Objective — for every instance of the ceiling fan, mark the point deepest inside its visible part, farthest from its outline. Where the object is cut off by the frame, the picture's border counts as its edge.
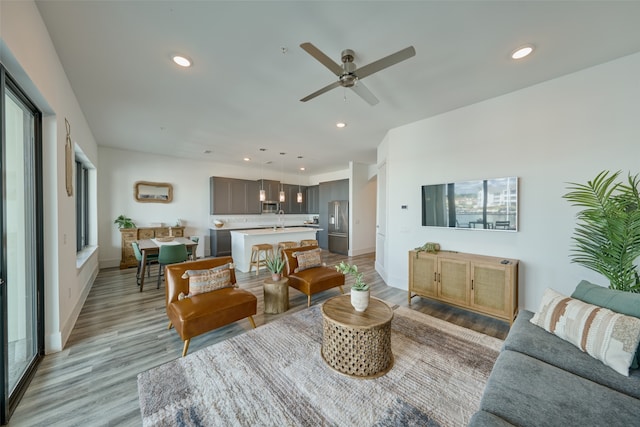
(349, 75)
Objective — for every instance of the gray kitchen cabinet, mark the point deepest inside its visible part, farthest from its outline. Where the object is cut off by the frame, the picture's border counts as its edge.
(230, 196)
(271, 189)
(254, 205)
(313, 199)
(220, 195)
(291, 201)
(220, 242)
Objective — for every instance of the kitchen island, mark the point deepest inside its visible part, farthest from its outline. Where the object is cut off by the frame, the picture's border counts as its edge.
(242, 240)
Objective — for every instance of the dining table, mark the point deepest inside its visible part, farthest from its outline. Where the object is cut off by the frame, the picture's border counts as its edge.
(152, 246)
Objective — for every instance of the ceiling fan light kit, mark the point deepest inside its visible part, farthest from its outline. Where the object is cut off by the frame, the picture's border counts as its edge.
(350, 76)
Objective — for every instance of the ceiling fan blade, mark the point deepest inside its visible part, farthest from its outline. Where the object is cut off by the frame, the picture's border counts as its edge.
(321, 91)
(364, 93)
(385, 62)
(322, 58)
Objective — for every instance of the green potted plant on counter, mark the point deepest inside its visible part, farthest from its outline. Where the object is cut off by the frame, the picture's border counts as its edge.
(359, 290)
(124, 222)
(275, 264)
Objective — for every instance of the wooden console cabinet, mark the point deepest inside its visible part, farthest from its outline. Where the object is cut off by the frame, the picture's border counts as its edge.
(483, 284)
(129, 235)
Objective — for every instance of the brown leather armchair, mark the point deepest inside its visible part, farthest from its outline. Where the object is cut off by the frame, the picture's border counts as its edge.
(311, 280)
(207, 311)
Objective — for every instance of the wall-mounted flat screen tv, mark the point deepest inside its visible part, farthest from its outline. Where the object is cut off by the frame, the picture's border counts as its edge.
(485, 204)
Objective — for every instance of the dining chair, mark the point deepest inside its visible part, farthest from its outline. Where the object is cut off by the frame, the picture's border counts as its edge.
(138, 254)
(191, 252)
(170, 254)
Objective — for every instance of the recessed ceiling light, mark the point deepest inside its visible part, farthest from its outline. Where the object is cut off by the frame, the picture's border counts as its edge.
(341, 124)
(302, 168)
(207, 151)
(247, 159)
(522, 51)
(182, 61)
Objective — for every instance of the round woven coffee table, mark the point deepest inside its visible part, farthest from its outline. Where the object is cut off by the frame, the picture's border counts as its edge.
(357, 344)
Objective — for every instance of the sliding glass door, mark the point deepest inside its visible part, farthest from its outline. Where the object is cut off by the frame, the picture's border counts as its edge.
(21, 286)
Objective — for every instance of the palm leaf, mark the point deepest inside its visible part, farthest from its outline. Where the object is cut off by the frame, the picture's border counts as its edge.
(607, 236)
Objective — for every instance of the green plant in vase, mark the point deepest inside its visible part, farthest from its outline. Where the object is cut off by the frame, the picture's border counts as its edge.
(275, 264)
(124, 222)
(359, 289)
(607, 236)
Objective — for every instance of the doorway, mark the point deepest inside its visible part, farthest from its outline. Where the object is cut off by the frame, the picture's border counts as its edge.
(21, 259)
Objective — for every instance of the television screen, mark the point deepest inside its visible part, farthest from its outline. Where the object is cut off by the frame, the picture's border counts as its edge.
(488, 204)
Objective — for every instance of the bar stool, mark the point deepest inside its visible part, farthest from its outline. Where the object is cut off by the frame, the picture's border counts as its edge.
(309, 242)
(285, 245)
(263, 249)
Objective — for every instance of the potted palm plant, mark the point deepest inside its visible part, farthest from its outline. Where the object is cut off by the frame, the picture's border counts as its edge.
(359, 289)
(275, 264)
(607, 236)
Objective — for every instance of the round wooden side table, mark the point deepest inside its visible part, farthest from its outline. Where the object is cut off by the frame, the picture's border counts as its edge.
(357, 344)
(276, 295)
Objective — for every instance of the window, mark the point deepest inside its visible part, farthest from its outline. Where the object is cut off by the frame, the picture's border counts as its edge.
(82, 205)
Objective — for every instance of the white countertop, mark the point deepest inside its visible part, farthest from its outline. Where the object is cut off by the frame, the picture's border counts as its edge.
(266, 231)
(237, 227)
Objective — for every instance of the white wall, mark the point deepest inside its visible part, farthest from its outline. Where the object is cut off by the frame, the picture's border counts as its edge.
(563, 130)
(362, 211)
(27, 52)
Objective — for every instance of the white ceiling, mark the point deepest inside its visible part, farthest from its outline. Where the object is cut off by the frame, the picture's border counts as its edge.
(243, 93)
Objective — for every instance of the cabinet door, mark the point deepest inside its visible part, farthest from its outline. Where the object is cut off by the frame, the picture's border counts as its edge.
(128, 258)
(238, 195)
(454, 280)
(313, 199)
(220, 195)
(254, 206)
(223, 243)
(490, 289)
(422, 274)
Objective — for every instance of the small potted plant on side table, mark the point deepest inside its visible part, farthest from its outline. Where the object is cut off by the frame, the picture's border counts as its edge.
(359, 289)
(275, 265)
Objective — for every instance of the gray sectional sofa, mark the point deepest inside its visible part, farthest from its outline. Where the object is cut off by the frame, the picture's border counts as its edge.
(541, 380)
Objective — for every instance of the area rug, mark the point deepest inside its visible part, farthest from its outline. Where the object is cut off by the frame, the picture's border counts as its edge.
(275, 376)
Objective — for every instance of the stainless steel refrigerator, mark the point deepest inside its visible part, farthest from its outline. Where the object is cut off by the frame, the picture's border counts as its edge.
(339, 227)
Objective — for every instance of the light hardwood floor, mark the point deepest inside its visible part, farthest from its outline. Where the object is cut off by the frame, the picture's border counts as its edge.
(121, 332)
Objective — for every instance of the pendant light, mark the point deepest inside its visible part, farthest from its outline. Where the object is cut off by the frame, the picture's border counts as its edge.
(281, 177)
(263, 195)
(299, 196)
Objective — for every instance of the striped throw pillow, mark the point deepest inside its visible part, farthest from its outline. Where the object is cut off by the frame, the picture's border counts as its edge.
(201, 281)
(605, 335)
(308, 259)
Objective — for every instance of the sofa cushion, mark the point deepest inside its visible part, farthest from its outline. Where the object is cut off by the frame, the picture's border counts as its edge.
(529, 339)
(606, 335)
(307, 259)
(528, 392)
(619, 301)
(201, 281)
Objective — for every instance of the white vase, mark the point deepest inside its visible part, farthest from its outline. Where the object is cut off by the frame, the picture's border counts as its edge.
(360, 300)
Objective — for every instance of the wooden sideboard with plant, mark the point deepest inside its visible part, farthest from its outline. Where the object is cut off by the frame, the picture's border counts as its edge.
(483, 284)
(129, 235)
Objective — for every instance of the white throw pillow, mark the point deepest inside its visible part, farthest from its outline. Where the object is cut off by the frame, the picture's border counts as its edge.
(605, 335)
